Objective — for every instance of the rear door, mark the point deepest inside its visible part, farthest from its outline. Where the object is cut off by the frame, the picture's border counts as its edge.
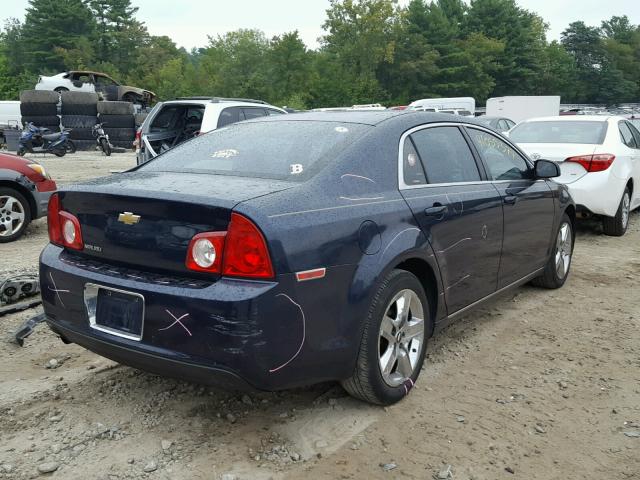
(631, 140)
(528, 206)
(458, 211)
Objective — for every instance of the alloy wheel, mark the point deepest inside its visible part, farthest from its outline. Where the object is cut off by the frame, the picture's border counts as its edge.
(626, 207)
(12, 215)
(401, 337)
(564, 245)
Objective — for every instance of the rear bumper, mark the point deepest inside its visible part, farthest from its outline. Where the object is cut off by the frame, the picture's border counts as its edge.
(269, 335)
(599, 192)
(42, 202)
(153, 363)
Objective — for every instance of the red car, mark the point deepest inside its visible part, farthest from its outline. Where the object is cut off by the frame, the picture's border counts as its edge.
(25, 188)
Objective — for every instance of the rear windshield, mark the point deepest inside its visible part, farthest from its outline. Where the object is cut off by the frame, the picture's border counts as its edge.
(283, 150)
(559, 132)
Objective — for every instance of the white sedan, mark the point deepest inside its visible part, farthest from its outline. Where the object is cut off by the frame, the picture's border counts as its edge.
(599, 157)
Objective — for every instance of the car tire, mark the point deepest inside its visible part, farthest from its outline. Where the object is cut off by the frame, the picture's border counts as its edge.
(11, 195)
(79, 98)
(126, 144)
(370, 382)
(39, 96)
(30, 109)
(61, 89)
(117, 121)
(557, 268)
(49, 121)
(79, 121)
(82, 134)
(79, 109)
(115, 108)
(120, 134)
(617, 226)
(85, 145)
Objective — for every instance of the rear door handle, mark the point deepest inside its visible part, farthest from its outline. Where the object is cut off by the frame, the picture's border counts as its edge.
(510, 199)
(436, 211)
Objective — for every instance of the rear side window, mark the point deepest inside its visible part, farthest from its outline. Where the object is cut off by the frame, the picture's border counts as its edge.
(412, 170)
(626, 136)
(589, 132)
(503, 162)
(445, 155)
(250, 113)
(283, 150)
(229, 115)
(635, 133)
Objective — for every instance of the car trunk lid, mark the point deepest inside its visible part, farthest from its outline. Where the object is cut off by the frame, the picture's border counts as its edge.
(556, 152)
(146, 221)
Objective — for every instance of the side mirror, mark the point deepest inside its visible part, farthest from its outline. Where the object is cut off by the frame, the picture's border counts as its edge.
(546, 169)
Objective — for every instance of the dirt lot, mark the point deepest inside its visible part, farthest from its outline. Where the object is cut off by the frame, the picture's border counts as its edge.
(540, 385)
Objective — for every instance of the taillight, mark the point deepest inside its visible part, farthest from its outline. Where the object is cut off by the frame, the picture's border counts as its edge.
(597, 162)
(241, 251)
(64, 228)
(137, 142)
(53, 220)
(246, 253)
(205, 252)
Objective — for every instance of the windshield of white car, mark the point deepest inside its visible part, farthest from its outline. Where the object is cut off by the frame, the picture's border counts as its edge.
(588, 132)
(282, 150)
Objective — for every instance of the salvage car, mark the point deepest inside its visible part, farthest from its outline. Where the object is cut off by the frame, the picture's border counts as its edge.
(101, 83)
(290, 250)
(175, 121)
(599, 157)
(501, 124)
(25, 188)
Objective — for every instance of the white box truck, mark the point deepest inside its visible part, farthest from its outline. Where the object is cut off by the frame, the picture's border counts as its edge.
(519, 108)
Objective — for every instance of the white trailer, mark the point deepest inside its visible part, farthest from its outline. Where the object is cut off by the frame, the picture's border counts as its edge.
(519, 108)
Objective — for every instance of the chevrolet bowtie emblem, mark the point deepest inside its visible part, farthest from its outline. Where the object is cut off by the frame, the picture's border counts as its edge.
(128, 218)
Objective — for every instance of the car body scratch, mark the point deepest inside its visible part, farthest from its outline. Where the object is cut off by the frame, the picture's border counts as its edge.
(304, 332)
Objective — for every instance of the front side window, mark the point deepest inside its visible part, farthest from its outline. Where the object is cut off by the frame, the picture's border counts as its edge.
(503, 162)
(271, 111)
(103, 81)
(445, 155)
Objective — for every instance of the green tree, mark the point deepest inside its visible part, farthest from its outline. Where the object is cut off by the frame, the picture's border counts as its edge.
(523, 35)
(290, 69)
(51, 26)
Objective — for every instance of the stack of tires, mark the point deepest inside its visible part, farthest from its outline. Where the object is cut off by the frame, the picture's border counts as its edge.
(40, 107)
(80, 114)
(118, 122)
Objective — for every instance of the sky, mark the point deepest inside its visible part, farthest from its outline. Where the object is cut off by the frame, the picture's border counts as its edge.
(188, 22)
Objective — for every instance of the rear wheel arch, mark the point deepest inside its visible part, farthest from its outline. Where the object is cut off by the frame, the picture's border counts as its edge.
(571, 213)
(427, 277)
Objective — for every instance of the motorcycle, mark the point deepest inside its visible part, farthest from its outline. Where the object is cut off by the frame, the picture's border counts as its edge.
(41, 140)
(102, 139)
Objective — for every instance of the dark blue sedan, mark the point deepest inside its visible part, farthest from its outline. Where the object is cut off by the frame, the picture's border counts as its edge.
(297, 249)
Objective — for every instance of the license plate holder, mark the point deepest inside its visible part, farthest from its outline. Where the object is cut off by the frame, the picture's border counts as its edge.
(115, 311)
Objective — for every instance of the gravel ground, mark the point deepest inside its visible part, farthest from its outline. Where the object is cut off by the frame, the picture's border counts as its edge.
(539, 385)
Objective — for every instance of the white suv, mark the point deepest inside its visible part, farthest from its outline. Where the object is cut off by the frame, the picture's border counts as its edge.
(173, 122)
(599, 157)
